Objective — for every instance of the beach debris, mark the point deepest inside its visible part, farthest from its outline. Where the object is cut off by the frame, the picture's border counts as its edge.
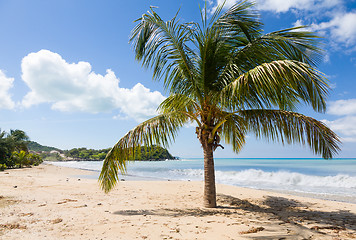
(81, 206)
(42, 205)
(57, 220)
(177, 230)
(122, 179)
(99, 204)
(15, 187)
(253, 230)
(26, 214)
(67, 200)
(335, 228)
(78, 179)
(4, 202)
(11, 226)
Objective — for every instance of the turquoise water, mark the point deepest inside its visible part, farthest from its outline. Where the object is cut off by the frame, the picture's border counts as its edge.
(331, 179)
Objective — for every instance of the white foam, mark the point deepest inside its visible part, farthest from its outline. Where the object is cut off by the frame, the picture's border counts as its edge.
(280, 180)
(340, 184)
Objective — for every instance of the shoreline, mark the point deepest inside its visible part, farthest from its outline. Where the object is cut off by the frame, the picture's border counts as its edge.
(49, 202)
(321, 196)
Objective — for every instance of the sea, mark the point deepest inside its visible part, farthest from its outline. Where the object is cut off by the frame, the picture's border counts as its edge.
(333, 179)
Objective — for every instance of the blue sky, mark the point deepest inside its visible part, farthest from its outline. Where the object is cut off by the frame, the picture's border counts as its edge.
(68, 76)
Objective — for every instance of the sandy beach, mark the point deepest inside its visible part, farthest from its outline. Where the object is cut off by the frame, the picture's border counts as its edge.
(49, 202)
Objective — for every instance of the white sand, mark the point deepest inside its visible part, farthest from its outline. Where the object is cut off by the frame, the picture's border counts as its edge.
(50, 202)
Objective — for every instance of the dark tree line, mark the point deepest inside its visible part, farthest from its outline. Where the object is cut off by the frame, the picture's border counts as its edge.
(14, 150)
(153, 153)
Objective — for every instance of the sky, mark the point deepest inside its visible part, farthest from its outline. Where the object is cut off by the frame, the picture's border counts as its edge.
(69, 78)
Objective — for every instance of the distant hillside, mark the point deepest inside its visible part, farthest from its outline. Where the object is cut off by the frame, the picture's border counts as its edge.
(153, 153)
(36, 147)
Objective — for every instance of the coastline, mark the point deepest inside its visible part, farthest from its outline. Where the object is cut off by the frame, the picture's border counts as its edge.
(132, 177)
(48, 202)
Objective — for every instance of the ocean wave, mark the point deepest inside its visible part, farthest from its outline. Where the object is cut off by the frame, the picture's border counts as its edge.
(280, 178)
(339, 184)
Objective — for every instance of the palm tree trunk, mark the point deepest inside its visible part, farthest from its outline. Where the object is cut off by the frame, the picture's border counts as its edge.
(209, 177)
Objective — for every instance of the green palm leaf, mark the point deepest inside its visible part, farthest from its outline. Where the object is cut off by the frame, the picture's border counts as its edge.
(234, 131)
(291, 127)
(160, 130)
(282, 83)
(162, 46)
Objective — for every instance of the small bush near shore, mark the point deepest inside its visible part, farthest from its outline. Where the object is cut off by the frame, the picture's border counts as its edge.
(3, 167)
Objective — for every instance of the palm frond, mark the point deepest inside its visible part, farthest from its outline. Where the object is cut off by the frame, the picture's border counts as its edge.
(291, 44)
(287, 44)
(162, 46)
(234, 131)
(291, 127)
(160, 130)
(182, 104)
(280, 84)
(241, 21)
(217, 41)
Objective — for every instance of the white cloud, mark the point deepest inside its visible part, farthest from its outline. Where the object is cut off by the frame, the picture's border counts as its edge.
(342, 28)
(75, 87)
(298, 23)
(286, 5)
(345, 125)
(338, 25)
(5, 97)
(342, 107)
(306, 5)
(228, 3)
(139, 102)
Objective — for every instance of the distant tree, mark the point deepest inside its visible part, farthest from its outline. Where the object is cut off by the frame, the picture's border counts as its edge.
(34, 146)
(4, 147)
(20, 158)
(34, 159)
(14, 150)
(18, 140)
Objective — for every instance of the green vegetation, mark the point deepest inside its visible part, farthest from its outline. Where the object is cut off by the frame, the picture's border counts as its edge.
(14, 152)
(87, 154)
(231, 79)
(154, 153)
(51, 156)
(36, 147)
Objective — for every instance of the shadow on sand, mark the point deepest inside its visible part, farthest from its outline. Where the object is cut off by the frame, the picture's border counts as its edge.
(286, 211)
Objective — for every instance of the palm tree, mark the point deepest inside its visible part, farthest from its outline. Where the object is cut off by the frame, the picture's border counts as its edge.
(3, 147)
(18, 140)
(20, 158)
(228, 78)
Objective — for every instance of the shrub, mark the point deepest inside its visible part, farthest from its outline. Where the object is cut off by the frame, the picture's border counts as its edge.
(3, 167)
